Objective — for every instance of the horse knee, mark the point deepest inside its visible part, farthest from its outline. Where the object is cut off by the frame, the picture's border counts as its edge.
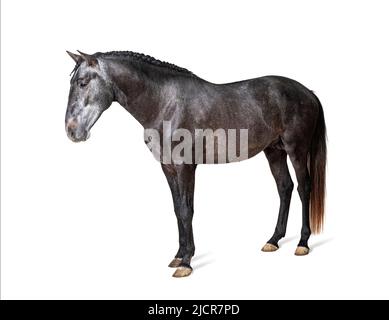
(285, 189)
(186, 216)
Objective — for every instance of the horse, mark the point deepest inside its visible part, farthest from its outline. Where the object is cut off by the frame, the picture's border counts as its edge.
(281, 117)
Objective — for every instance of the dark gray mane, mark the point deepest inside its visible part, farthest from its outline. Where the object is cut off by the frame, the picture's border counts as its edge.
(147, 59)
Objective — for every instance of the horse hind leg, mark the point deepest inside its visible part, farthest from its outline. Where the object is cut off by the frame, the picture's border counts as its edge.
(298, 155)
(279, 168)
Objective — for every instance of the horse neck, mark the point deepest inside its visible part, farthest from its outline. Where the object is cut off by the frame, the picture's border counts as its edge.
(136, 92)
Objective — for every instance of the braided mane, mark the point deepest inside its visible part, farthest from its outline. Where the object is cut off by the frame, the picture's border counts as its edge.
(147, 59)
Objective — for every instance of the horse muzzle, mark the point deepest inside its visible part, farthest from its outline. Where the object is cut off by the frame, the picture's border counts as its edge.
(74, 132)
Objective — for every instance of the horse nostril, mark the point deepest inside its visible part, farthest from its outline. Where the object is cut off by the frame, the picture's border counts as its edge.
(71, 133)
(71, 126)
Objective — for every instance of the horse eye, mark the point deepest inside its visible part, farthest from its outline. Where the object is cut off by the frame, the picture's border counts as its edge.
(83, 82)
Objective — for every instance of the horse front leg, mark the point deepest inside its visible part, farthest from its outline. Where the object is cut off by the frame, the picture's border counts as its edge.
(181, 180)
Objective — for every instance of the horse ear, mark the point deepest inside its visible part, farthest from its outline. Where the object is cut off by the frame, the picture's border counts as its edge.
(77, 59)
(91, 60)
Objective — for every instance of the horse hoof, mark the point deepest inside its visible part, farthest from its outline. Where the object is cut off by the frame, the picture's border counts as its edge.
(182, 272)
(268, 247)
(301, 251)
(175, 263)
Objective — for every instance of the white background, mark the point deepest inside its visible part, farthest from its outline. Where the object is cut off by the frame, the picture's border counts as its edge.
(95, 219)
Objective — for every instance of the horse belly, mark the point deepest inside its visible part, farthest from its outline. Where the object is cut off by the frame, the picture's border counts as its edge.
(234, 145)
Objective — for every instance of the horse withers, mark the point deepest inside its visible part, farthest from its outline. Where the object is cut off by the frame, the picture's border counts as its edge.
(273, 114)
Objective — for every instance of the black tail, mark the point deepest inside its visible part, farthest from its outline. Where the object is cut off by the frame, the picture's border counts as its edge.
(318, 160)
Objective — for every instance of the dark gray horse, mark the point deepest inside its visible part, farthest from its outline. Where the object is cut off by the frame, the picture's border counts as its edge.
(281, 117)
